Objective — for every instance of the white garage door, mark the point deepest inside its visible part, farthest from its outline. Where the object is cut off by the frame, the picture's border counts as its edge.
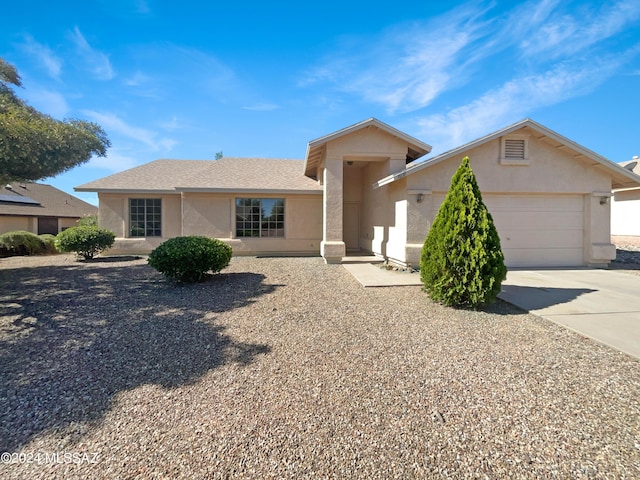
(537, 230)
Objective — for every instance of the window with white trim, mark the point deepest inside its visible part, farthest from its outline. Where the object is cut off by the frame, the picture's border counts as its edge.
(145, 217)
(514, 150)
(260, 217)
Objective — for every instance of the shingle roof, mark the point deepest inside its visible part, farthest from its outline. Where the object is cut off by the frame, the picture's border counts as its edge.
(47, 201)
(226, 174)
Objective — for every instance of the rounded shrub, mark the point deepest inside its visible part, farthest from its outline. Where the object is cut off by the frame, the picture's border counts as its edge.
(48, 243)
(20, 242)
(86, 241)
(189, 259)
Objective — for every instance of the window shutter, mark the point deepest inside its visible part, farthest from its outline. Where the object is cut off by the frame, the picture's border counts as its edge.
(514, 148)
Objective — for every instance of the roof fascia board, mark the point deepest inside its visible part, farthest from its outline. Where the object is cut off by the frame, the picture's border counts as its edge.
(249, 190)
(125, 190)
(369, 122)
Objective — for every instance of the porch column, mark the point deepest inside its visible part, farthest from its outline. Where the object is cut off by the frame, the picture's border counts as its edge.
(332, 247)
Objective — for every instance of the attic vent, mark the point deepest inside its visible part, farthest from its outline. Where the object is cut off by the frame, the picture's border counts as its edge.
(514, 149)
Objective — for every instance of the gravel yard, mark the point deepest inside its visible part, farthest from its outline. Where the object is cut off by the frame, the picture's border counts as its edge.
(288, 368)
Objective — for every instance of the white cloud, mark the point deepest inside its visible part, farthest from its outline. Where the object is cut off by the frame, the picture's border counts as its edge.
(44, 55)
(513, 101)
(114, 124)
(408, 66)
(97, 62)
(113, 162)
(564, 34)
(262, 107)
(46, 101)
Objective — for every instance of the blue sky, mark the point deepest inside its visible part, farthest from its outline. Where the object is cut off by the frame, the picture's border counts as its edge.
(185, 80)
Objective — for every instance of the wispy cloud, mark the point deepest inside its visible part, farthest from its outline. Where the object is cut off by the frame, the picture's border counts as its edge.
(409, 67)
(262, 107)
(43, 55)
(47, 101)
(564, 34)
(114, 124)
(115, 161)
(96, 62)
(515, 100)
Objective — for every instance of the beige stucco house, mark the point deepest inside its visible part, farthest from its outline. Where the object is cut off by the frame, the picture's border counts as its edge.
(366, 188)
(40, 208)
(625, 205)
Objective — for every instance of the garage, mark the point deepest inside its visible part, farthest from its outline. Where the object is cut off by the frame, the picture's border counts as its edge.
(536, 230)
(539, 230)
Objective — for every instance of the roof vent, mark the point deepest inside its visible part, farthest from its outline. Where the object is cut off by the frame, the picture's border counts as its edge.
(631, 165)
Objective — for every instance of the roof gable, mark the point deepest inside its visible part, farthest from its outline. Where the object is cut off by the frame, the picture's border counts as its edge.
(316, 148)
(621, 178)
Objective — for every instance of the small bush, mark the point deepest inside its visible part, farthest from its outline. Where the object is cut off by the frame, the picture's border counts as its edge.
(86, 241)
(189, 259)
(21, 242)
(49, 243)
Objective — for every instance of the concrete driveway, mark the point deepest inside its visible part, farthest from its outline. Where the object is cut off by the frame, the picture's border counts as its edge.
(601, 304)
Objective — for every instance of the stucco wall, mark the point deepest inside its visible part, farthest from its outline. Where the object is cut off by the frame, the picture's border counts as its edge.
(213, 215)
(9, 224)
(625, 213)
(550, 170)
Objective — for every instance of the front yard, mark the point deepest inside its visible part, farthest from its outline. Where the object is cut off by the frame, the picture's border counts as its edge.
(288, 368)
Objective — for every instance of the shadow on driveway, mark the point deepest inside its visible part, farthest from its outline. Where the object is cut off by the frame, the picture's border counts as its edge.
(74, 336)
(536, 298)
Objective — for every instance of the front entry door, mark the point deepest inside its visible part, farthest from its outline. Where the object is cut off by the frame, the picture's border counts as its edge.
(351, 226)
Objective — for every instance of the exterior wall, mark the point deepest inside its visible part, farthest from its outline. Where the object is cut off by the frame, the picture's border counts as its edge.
(114, 215)
(64, 223)
(213, 215)
(549, 171)
(9, 223)
(625, 213)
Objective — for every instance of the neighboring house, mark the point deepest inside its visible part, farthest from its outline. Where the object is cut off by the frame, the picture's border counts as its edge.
(40, 208)
(364, 188)
(625, 206)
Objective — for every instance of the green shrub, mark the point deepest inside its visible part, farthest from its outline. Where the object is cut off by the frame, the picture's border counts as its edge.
(189, 259)
(48, 242)
(88, 221)
(20, 242)
(86, 241)
(462, 262)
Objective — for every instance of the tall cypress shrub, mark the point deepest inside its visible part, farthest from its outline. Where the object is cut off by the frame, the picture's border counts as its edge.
(462, 263)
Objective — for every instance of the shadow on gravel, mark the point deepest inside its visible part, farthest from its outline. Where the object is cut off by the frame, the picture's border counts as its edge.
(72, 337)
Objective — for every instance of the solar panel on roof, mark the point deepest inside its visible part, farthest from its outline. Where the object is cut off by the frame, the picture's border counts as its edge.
(18, 199)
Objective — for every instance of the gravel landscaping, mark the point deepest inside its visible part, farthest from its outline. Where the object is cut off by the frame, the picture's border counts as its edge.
(288, 368)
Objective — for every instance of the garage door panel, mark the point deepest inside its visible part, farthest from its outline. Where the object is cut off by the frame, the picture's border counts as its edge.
(526, 203)
(529, 257)
(546, 238)
(551, 220)
(539, 230)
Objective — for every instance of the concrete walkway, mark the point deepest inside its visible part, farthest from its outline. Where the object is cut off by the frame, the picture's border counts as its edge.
(373, 276)
(601, 304)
